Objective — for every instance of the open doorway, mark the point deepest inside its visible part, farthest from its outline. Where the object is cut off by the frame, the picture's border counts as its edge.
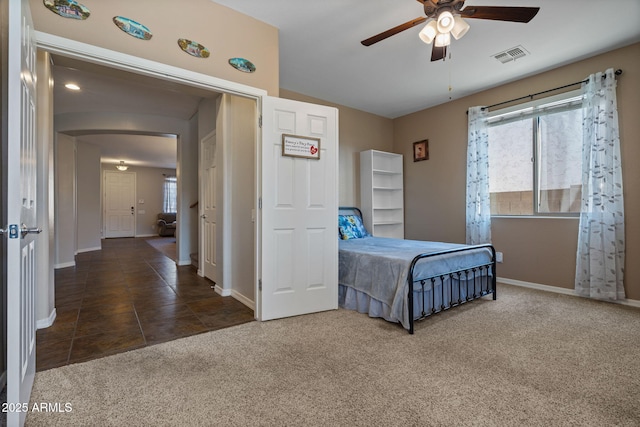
(124, 273)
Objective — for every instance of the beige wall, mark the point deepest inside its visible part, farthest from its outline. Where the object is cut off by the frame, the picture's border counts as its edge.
(225, 32)
(89, 215)
(45, 248)
(535, 250)
(359, 131)
(235, 188)
(65, 200)
(239, 136)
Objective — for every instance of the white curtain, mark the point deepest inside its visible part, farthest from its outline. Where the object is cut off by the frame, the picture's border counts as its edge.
(170, 194)
(601, 245)
(478, 200)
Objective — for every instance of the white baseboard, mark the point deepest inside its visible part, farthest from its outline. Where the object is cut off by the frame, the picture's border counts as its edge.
(565, 291)
(537, 286)
(222, 292)
(65, 265)
(243, 299)
(235, 295)
(45, 323)
(97, 248)
(183, 262)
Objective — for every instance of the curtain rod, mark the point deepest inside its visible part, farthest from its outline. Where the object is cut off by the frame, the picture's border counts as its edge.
(617, 73)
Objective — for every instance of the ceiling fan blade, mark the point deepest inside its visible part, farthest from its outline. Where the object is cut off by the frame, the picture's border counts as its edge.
(500, 13)
(438, 53)
(393, 31)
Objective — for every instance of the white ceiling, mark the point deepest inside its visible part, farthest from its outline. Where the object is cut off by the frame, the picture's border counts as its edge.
(321, 55)
(135, 150)
(105, 90)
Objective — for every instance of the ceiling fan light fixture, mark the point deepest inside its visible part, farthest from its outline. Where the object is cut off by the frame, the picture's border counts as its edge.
(429, 32)
(445, 22)
(443, 39)
(460, 27)
(122, 166)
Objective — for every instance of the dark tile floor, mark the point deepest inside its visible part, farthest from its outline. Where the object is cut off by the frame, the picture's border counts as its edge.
(126, 296)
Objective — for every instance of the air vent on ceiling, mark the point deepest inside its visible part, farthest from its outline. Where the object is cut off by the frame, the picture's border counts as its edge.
(511, 54)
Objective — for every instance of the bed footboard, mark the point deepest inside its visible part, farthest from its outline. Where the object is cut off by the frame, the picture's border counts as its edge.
(481, 278)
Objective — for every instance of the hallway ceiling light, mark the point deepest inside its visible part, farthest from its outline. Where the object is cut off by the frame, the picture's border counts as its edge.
(72, 86)
(122, 166)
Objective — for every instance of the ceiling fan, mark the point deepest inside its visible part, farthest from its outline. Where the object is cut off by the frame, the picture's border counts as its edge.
(446, 20)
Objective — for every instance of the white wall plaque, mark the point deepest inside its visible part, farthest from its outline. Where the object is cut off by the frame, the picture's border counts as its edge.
(301, 146)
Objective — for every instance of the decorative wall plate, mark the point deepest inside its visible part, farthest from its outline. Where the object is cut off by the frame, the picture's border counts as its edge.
(67, 9)
(242, 64)
(193, 48)
(132, 28)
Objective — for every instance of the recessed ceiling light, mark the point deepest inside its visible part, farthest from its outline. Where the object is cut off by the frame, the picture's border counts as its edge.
(72, 86)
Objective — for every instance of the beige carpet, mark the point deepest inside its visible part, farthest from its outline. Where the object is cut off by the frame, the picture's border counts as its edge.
(528, 359)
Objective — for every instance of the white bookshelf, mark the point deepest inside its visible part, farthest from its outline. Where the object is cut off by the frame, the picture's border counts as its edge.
(382, 193)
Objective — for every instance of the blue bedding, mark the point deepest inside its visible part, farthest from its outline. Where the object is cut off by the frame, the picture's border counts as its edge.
(378, 267)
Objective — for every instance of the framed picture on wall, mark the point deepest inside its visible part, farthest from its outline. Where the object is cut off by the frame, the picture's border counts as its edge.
(421, 150)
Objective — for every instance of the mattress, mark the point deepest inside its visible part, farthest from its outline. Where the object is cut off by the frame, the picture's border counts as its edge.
(373, 275)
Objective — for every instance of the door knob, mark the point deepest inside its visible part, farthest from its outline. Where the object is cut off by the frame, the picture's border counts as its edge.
(24, 230)
(203, 216)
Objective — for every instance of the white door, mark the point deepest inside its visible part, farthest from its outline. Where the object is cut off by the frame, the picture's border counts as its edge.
(21, 209)
(119, 204)
(299, 215)
(208, 159)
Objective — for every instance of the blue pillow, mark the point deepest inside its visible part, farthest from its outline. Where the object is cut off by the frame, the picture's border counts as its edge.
(351, 227)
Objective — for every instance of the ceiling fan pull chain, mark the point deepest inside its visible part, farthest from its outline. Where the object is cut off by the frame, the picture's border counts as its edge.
(449, 67)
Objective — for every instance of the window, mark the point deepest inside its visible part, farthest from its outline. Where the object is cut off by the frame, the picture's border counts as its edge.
(170, 194)
(535, 157)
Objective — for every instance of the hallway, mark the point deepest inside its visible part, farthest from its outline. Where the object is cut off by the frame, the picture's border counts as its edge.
(127, 296)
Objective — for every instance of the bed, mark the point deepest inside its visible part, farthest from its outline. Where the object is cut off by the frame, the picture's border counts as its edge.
(391, 278)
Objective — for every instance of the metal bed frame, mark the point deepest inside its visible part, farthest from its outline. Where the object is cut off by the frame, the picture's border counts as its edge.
(483, 276)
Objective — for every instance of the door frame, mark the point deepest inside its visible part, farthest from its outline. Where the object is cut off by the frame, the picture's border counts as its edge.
(109, 58)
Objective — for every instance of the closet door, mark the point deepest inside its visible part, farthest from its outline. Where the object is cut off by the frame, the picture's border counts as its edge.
(299, 213)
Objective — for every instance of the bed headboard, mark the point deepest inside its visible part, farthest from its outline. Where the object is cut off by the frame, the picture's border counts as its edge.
(350, 210)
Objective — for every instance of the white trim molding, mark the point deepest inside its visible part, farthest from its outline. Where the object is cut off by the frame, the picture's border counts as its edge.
(97, 55)
(222, 291)
(235, 295)
(80, 251)
(565, 291)
(243, 299)
(65, 265)
(45, 323)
